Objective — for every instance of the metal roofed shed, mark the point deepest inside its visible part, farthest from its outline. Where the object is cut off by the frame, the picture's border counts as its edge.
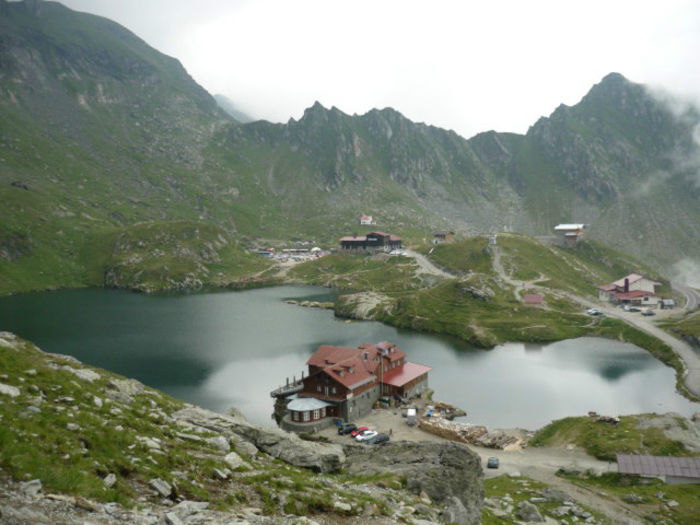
(301, 404)
(672, 470)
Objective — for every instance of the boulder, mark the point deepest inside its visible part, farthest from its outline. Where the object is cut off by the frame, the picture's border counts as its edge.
(161, 487)
(83, 373)
(233, 460)
(319, 457)
(31, 488)
(109, 480)
(219, 442)
(124, 390)
(444, 471)
(526, 511)
(9, 390)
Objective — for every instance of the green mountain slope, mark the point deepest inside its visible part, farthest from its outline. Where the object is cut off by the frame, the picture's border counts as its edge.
(100, 132)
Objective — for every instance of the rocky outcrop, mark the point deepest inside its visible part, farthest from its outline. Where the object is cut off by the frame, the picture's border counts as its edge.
(448, 473)
(320, 457)
(165, 461)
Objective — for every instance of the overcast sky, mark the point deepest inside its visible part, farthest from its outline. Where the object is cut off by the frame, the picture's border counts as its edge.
(462, 65)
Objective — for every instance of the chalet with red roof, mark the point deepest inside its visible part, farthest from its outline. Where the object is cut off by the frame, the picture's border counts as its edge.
(372, 242)
(632, 289)
(367, 220)
(346, 382)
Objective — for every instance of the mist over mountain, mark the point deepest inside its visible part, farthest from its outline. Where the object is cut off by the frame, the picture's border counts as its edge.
(99, 132)
(229, 107)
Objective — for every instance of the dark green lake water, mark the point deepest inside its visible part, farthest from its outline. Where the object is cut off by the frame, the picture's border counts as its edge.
(224, 349)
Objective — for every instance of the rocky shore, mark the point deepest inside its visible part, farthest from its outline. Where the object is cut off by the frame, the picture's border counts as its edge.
(81, 445)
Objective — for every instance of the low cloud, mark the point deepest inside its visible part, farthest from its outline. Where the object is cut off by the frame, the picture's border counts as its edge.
(685, 164)
(687, 271)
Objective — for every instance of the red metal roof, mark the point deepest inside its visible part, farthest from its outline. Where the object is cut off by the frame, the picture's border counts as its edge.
(394, 238)
(402, 375)
(326, 355)
(607, 287)
(350, 373)
(632, 278)
(353, 367)
(658, 465)
(634, 294)
(355, 239)
(532, 298)
(385, 348)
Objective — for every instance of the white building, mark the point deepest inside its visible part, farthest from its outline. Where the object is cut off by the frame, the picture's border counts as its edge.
(569, 234)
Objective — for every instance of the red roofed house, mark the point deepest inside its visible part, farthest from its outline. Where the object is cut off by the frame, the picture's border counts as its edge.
(532, 298)
(372, 242)
(367, 220)
(346, 382)
(632, 289)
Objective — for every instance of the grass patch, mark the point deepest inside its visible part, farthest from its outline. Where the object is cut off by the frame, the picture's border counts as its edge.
(462, 256)
(650, 497)
(512, 491)
(605, 440)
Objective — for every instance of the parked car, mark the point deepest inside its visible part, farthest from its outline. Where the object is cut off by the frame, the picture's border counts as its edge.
(594, 311)
(633, 309)
(492, 462)
(357, 431)
(378, 439)
(346, 428)
(367, 434)
(648, 313)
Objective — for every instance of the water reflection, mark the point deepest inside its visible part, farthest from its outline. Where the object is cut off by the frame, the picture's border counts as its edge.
(224, 349)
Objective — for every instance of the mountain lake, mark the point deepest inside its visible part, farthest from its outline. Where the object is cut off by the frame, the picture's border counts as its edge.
(228, 349)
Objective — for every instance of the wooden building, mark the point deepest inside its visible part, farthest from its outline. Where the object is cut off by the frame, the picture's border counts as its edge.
(346, 382)
(440, 237)
(372, 242)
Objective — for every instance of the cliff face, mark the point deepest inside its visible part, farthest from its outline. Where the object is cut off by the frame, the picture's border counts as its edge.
(99, 131)
(79, 443)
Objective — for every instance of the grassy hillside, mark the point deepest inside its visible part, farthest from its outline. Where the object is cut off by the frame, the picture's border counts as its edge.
(580, 269)
(72, 426)
(633, 435)
(685, 326)
(463, 256)
(100, 132)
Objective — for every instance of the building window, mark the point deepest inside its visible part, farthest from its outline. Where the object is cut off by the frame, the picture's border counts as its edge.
(318, 388)
(333, 390)
(323, 412)
(317, 414)
(307, 415)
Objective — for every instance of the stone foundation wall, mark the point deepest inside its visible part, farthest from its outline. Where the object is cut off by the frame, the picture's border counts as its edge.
(302, 428)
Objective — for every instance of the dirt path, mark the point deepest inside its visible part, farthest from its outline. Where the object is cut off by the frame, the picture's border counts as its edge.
(518, 286)
(425, 266)
(540, 464)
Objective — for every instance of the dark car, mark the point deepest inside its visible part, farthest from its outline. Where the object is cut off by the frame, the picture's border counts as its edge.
(378, 439)
(648, 313)
(634, 309)
(346, 428)
(492, 462)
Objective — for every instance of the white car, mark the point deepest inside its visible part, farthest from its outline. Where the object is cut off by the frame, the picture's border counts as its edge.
(367, 434)
(593, 311)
